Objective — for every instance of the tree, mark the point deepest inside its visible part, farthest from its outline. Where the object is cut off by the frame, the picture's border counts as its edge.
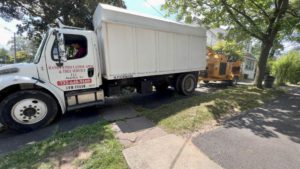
(230, 48)
(22, 56)
(25, 48)
(21, 43)
(264, 20)
(37, 14)
(3, 56)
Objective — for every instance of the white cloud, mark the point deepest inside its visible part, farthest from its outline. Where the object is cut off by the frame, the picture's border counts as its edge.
(154, 3)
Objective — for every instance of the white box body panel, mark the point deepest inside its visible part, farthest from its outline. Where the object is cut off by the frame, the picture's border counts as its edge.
(134, 45)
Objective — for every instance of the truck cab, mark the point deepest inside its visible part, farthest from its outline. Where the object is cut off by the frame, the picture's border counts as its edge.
(59, 79)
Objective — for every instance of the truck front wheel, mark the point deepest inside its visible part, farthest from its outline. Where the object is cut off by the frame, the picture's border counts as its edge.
(27, 110)
(186, 84)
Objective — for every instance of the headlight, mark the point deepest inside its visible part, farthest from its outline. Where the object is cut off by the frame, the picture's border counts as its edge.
(9, 71)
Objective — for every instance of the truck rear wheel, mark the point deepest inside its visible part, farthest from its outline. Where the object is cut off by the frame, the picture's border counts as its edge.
(186, 84)
(27, 110)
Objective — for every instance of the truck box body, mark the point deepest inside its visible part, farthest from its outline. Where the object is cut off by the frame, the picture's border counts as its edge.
(134, 45)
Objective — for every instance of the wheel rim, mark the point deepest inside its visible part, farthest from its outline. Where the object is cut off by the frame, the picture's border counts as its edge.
(189, 84)
(29, 111)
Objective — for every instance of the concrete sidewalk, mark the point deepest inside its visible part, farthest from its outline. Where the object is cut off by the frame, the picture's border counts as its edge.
(150, 147)
(167, 152)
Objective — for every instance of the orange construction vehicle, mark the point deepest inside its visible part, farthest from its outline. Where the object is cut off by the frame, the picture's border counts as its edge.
(220, 68)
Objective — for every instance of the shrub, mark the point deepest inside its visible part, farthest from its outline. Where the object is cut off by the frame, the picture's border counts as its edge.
(287, 68)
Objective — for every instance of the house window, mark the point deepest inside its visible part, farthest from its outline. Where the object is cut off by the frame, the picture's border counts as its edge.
(250, 65)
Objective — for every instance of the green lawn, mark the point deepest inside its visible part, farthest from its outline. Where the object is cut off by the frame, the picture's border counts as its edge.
(190, 114)
(96, 140)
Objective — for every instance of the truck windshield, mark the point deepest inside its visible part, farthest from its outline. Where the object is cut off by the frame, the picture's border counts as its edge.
(40, 49)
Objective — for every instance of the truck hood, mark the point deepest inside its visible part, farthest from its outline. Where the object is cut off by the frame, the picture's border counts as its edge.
(20, 69)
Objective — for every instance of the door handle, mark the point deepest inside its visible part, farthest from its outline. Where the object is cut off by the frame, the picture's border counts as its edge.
(91, 72)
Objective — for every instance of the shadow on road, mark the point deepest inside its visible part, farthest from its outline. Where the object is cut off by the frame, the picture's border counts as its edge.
(281, 117)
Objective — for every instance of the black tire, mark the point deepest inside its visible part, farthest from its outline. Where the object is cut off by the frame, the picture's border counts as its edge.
(187, 84)
(177, 83)
(11, 103)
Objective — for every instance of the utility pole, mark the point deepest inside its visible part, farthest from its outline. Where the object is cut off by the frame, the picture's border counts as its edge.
(15, 49)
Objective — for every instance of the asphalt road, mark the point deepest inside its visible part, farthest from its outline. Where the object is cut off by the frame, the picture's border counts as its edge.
(267, 137)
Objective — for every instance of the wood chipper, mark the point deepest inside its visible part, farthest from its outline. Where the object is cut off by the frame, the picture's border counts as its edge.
(220, 68)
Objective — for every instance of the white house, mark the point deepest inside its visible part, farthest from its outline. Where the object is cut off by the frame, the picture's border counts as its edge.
(249, 66)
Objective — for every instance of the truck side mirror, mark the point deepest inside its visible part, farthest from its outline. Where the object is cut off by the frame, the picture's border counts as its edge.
(61, 53)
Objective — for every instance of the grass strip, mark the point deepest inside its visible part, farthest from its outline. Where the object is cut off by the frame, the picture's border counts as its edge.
(187, 115)
(97, 139)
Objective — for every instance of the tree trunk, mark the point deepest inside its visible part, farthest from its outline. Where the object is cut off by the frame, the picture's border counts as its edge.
(272, 53)
(262, 62)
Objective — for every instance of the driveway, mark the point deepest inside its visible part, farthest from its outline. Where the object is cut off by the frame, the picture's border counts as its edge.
(267, 137)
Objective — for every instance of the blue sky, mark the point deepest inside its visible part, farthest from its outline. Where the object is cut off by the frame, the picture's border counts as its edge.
(146, 6)
(141, 6)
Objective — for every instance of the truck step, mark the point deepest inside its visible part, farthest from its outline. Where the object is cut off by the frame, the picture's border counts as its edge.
(81, 99)
(80, 106)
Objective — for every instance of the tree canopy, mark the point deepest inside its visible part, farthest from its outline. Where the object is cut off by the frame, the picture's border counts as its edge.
(3, 55)
(231, 49)
(265, 20)
(25, 49)
(37, 14)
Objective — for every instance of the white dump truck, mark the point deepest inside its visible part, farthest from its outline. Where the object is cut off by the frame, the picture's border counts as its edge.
(76, 68)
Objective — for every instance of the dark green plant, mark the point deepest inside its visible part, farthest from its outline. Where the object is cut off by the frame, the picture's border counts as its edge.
(287, 68)
(270, 64)
(37, 14)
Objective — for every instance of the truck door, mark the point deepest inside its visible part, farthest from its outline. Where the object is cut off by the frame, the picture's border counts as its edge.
(79, 70)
